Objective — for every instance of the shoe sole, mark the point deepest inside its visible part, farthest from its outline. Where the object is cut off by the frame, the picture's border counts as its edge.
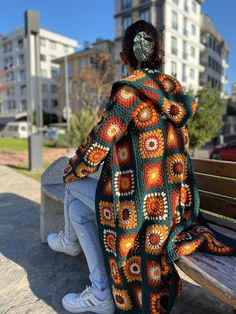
(92, 309)
(61, 251)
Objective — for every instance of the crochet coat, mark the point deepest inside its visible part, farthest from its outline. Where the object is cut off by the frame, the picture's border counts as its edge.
(147, 201)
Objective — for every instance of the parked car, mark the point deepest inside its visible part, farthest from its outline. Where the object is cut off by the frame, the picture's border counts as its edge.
(16, 130)
(52, 133)
(224, 152)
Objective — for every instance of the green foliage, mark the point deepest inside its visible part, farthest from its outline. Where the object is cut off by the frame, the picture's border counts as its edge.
(81, 124)
(207, 121)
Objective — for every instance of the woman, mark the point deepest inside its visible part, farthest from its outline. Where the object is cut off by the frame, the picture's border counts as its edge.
(146, 201)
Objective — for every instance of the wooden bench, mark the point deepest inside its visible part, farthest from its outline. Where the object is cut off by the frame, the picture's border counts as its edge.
(217, 187)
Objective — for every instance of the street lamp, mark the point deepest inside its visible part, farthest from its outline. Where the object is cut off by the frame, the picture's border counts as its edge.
(34, 96)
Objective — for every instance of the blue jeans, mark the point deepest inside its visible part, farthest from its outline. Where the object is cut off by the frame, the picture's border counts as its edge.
(80, 223)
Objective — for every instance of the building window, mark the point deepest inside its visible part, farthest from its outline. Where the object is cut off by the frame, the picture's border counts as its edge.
(45, 103)
(173, 45)
(54, 73)
(209, 62)
(184, 69)
(145, 15)
(7, 47)
(43, 42)
(126, 21)
(23, 105)
(193, 29)
(11, 76)
(173, 68)
(174, 20)
(53, 45)
(23, 90)
(42, 57)
(22, 75)
(43, 73)
(185, 55)
(194, 7)
(176, 2)
(144, 1)
(185, 29)
(44, 88)
(193, 52)
(54, 103)
(126, 4)
(21, 59)
(210, 41)
(20, 43)
(192, 73)
(53, 89)
(186, 9)
(213, 64)
(8, 63)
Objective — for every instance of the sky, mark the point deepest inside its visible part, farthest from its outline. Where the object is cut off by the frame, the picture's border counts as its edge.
(90, 19)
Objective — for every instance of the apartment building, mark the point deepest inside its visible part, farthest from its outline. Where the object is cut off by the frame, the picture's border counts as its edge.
(102, 49)
(13, 69)
(214, 57)
(233, 96)
(179, 23)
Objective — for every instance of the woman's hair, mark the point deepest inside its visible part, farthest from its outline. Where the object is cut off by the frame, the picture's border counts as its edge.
(155, 58)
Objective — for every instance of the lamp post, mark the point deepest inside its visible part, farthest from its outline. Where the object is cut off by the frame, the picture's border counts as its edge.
(67, 93)
(34, 96)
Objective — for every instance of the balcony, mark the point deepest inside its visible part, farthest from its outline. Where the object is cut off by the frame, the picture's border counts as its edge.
(225, 64)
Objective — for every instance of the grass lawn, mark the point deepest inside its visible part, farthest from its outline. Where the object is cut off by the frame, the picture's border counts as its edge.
(17, 145)
(13, 144)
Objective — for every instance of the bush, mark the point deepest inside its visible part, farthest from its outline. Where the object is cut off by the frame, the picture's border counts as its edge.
(80, 126)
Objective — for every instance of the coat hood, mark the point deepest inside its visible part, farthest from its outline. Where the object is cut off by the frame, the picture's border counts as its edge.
(164, 91)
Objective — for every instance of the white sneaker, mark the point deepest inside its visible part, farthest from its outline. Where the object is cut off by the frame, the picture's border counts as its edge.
(57, 243)
(87, 302)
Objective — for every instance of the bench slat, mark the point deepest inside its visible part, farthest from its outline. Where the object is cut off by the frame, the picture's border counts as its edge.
(213, 272)
(216, 185)
(215, 167)
(218, 204)
(227, 224)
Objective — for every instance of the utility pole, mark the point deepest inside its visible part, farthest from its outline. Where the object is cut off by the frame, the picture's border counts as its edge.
(34, 96)
(67, 94)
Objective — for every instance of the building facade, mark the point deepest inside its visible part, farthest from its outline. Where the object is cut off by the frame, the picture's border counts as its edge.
(77, 63)
(179, 23)
(214, 57)
(13, 69)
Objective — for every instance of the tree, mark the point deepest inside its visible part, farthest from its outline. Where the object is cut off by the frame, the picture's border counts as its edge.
(207, 121)
(91, 85)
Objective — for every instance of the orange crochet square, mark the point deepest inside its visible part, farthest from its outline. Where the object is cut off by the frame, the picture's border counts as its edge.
(151, 144)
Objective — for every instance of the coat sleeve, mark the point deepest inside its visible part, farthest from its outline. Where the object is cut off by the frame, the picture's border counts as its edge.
(111, 127)
(178, 106)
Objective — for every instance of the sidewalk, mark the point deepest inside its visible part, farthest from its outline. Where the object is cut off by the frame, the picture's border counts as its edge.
(33, 279)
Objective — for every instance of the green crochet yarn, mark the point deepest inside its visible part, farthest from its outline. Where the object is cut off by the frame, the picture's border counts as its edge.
(142, 47)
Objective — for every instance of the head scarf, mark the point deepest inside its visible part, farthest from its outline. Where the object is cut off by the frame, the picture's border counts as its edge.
(142, 47)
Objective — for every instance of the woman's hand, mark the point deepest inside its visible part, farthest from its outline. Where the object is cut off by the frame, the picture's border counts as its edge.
(69, 175)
